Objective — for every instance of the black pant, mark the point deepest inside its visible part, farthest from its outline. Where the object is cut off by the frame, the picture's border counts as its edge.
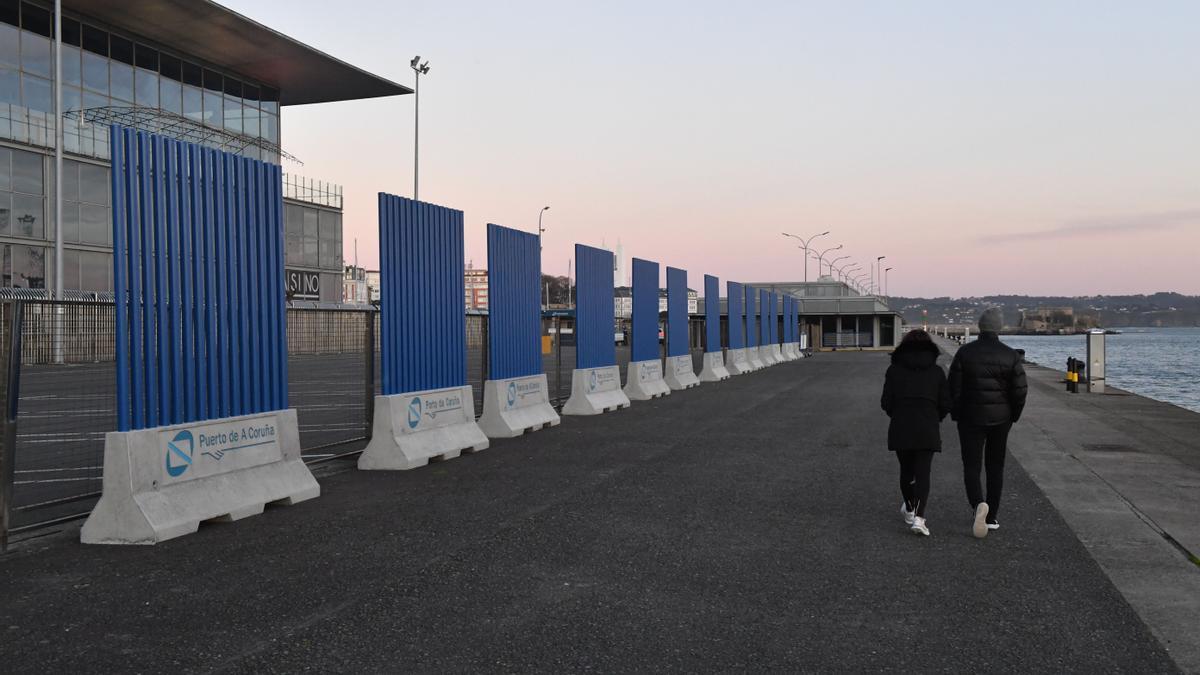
(984, 447)
(914, 478)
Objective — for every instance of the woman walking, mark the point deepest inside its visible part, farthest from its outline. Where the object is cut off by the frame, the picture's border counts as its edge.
(917, 399)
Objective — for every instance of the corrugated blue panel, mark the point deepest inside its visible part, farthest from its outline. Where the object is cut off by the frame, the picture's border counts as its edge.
(764, 328)
(712, 313)
(772, 318)
(791, 319)
(594, 346)
(677, 312)
(422, 308)
(751, 318)
(644, 342)
(514, 303)
(787, 315)
(196, 315)
(737, 322)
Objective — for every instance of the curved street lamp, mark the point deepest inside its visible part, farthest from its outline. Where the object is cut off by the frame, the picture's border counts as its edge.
(832, 262)
(804, 245)
(821, 257)
(540, 231)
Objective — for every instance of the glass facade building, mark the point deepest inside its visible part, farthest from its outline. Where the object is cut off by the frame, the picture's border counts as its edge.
(110, 71)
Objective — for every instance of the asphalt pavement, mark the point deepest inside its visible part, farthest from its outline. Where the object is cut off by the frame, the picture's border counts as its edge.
(746, 525)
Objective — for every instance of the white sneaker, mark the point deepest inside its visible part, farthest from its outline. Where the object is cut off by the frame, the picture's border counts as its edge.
(908, 515)
(980, 528)
(918, 526)
(993, 526)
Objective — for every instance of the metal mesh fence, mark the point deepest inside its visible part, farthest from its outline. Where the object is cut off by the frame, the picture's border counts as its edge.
(331, 381)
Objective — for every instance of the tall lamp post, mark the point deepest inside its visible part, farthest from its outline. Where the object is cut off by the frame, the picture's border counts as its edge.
(804, 245)
(885, 281)
(834, 261)
(420, 69)
(875, 279)
(821, 258)
(540, 231)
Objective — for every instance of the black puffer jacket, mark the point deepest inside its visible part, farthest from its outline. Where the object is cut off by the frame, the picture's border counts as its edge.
(916, 397)
(987, 383)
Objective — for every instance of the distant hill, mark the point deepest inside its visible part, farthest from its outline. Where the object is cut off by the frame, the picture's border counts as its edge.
(1108, 311)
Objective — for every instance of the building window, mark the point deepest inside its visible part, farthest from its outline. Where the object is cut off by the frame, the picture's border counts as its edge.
(331, 239)
(22, 194)
(24, 266)
(86, 212)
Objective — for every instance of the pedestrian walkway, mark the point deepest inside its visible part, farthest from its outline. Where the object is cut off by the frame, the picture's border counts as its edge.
(750, 524)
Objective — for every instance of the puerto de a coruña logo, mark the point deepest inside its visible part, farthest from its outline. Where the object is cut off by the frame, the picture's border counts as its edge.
(179, 453)
(512, 393)
(414, 412)
(592, 381)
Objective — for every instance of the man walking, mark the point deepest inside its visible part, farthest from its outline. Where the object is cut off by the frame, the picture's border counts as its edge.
(987, 389)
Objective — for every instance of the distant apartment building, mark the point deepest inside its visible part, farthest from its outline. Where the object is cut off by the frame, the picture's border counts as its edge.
(1047, 319)
(475, 288)
(354, 286)
(623, 301)
(373, 282)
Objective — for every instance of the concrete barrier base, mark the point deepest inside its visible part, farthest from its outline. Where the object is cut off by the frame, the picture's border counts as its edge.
(714, 369)
(412, 428)
(515, 405)
(644, 380)
(788, 351)
(163, 482)
(737, 362)
(679, 373)
(777, 353)
(595, 391)
(754, 358)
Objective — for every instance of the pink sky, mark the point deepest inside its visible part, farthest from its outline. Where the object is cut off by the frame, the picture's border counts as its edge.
(1010, 147)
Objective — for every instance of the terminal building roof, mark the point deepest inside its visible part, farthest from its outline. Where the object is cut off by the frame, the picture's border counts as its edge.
(229, 40)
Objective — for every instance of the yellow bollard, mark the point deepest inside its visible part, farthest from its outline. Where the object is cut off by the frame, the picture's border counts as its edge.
(547, 343)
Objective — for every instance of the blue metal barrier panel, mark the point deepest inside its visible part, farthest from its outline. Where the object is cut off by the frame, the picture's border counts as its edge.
(678, 340)
(773, 317)
(764, 328)
(422, 310)
(712, 313)
(198, 279)
(594, 325)
(644, 342)
(737, 321)
(514, 303)
(751, 318)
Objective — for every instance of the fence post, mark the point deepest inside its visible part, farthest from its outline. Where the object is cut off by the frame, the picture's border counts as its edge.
(369, 346)
(483, 350)
(558, 357)
(10, 362)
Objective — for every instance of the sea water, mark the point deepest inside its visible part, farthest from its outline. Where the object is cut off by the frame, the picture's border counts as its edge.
(1158, 363)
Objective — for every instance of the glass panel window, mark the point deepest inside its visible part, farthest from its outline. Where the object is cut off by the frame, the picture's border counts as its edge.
(214, 109)
(36, 93)
(95, 271)
(28, 216)
(27, 172)
(36, 19)
(70, 28)
(70, 180)
(35, 54)
(70, 270)
(70, 222)
(270, 128)
(10, 45)
(233, 114)
(311, 227)
(146, 88)
(120, 49)
(10, 87)
(72, 99)
(28, 266)
(93, 224)
(311, 257)
(5, 169)
(295, 253)
(91, 100)
(121, 81)
(270, 100)
(70, 66)
(5, 213)
(95, 72)
(95, 40)
(250, 121)
(193, 105)
(94, 184)
(171, 93)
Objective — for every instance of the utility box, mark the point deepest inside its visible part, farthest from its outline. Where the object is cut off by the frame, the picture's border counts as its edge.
(1095, 361)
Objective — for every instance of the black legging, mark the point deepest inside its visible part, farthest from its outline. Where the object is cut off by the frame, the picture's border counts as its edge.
(914, 478)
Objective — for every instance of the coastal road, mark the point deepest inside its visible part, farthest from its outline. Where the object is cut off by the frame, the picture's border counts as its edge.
(750, 524)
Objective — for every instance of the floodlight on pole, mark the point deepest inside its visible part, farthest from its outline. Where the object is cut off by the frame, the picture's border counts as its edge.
(420, 69)
(804, 245)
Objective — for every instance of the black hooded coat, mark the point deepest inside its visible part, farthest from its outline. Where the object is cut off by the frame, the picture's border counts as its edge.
(916, 397)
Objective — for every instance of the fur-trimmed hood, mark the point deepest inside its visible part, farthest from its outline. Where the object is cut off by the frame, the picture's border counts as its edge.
(916, 355)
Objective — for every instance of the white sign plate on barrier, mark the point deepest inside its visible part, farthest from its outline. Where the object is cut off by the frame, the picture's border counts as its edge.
(595, 391)
(514, 405)
(714, 369)
(412, 428)
(644, 380)
(679, 373)
(163, 482)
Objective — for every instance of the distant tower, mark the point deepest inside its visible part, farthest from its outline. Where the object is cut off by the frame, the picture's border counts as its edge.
(620, 278)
